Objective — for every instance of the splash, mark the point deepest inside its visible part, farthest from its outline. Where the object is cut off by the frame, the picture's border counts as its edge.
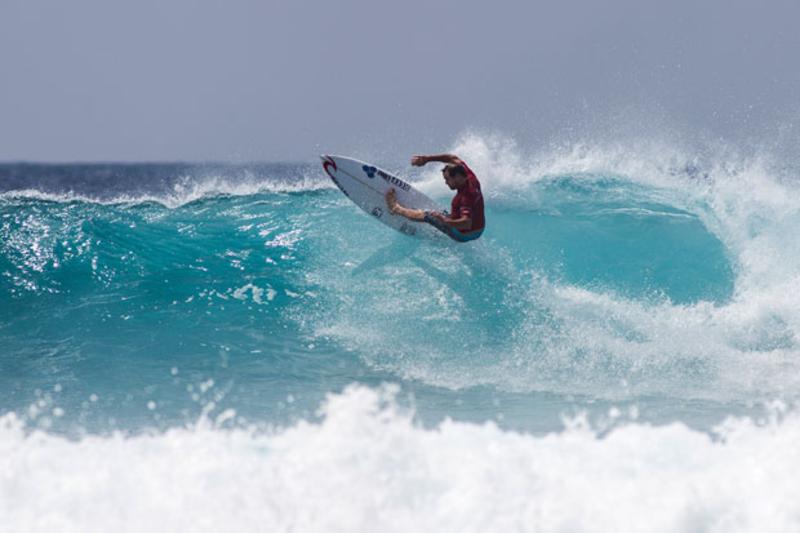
(613, 271)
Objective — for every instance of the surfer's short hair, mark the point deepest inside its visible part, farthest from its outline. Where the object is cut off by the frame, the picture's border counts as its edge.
(454, 170)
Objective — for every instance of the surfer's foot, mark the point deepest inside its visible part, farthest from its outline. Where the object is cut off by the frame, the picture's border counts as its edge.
(391, 200)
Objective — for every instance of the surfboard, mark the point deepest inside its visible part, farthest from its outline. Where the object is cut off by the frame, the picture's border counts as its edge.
(366, 186)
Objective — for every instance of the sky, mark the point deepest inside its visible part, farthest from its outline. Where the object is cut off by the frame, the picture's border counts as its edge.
(247, 80)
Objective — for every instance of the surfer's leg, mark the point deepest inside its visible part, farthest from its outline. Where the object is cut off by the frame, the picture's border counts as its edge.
(468, 237)
(417, 215)
(441, 226)
(436, 223)
(449, 230)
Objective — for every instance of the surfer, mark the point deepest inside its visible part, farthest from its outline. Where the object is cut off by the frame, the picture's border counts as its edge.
(465, 222)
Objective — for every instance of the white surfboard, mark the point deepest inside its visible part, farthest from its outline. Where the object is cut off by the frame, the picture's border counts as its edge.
(366, 185)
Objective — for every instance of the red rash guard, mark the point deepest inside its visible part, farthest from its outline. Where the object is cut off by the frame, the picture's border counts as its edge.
(469, 202)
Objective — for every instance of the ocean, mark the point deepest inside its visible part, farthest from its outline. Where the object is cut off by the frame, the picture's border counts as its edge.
(208, 347)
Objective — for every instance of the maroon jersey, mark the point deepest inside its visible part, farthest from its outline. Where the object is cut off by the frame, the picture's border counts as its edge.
(469, 202)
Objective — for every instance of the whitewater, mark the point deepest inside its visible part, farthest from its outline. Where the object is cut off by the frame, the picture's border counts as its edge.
(212, 346)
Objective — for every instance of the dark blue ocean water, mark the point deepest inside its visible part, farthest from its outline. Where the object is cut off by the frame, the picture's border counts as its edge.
(146, 297)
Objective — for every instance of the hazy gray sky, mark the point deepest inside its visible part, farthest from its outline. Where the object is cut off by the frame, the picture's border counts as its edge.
(259, 80)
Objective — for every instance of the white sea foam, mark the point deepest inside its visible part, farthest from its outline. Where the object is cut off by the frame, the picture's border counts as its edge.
(367, 466)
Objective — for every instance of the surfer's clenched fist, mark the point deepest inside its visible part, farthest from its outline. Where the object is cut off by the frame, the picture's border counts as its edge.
(419, 160)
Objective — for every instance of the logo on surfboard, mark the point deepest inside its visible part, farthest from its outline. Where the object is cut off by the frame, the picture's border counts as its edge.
(327, 164)
(370, 171)
(397, 182)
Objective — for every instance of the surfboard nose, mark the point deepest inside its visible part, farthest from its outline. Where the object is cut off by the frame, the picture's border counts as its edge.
(328, 163)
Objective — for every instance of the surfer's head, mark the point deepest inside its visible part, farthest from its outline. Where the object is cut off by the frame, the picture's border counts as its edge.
(455, 176)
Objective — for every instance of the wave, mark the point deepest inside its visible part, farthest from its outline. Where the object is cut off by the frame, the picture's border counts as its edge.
(587, 310)
(603, 272)
(366, 465)
(172, 186)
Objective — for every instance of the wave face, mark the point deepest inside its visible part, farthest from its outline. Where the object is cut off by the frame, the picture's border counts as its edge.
(636, 284)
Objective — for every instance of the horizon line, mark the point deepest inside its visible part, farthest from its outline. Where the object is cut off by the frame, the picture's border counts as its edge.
(9, 162)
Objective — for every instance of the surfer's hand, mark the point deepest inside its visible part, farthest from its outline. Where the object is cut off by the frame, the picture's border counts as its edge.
(391, 200)
(419, 160)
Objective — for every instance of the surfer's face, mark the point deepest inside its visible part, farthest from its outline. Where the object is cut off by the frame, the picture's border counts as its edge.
(454, 182)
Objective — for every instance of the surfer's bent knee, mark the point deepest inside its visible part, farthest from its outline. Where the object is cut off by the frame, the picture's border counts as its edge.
(449, 230)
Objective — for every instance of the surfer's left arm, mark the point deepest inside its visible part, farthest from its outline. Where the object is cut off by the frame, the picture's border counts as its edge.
(448, 159)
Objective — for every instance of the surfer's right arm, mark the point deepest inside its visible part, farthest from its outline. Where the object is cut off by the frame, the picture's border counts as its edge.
(421, 160)
(416, 215)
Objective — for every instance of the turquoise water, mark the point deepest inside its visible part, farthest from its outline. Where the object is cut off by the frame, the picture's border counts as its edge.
(279, 293)
(187, 305)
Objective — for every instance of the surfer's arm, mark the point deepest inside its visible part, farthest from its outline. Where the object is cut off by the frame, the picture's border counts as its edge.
(421, 160)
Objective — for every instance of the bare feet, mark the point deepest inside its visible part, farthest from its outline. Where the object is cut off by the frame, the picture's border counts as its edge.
(391, 200)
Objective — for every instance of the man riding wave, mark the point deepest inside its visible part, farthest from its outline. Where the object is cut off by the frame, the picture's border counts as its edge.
(465, 222)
